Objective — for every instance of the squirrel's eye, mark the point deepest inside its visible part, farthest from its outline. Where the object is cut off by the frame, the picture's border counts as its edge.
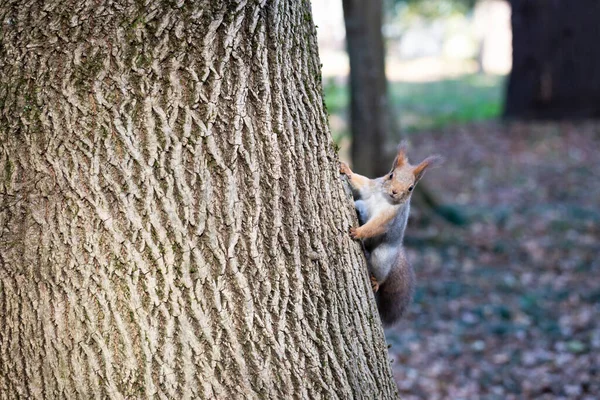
(410, 188)
(391, 175)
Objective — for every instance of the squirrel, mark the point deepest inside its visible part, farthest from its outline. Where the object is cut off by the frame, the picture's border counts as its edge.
(383, 205)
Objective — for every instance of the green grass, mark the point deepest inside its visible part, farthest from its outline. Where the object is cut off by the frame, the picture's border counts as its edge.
(437, 104)
(336, 97)
(431, 105)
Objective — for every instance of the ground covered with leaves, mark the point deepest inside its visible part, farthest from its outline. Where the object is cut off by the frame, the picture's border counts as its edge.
(508, 305)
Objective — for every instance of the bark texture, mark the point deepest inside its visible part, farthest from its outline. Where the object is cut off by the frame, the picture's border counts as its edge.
(555, 62)
(369, 113)
(172, 221)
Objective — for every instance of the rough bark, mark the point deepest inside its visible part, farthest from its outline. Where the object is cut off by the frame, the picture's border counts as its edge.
(369, 118)
(555, 65)
(172, 222)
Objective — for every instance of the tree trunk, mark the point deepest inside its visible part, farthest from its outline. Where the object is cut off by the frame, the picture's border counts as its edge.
(172, 221)
(369, 114)
(555, 65)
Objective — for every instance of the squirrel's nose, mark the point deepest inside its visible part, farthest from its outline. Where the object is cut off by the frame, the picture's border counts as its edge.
(394, 192)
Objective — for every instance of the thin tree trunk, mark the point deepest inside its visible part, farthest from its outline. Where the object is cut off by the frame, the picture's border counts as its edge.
(370, 119)
(555, 62)
(172, 220)
(369, 114)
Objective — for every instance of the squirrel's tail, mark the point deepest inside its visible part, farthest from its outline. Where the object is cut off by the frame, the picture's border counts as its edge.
(395, 294)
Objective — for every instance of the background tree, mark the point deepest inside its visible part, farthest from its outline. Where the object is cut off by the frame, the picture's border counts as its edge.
(369, 113)
(172, 219)
(373, 127)
(555, 68)
(372, 123)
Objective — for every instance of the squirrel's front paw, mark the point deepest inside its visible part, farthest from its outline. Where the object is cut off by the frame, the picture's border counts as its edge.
(345, 169)
(355, 233)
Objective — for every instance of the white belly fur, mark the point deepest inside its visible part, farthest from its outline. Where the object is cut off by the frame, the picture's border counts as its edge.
(381, 260)
(382, 252)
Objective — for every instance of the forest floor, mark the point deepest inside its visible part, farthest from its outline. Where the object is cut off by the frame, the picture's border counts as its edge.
(507, 306)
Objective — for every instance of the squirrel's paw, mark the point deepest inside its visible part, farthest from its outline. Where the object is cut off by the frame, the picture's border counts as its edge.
(374, 284)
(354, 233)
(345, 169)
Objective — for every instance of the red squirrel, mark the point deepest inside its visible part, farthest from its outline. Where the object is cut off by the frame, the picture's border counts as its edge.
(382, 205)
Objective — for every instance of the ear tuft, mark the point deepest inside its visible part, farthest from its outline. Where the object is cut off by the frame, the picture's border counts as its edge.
(431, 161)
(434, 161)
(401, 157)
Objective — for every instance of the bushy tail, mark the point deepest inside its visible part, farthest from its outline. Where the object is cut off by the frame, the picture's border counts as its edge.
(395, 294)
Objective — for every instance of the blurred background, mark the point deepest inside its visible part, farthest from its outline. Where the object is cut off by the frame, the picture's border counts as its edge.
(505, 237)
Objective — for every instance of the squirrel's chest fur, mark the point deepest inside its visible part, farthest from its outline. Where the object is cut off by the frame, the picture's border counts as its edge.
(382, 251)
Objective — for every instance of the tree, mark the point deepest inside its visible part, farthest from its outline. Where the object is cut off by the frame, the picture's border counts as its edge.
(172, 221)
(554, 73)
(369, 113)
(370, 120)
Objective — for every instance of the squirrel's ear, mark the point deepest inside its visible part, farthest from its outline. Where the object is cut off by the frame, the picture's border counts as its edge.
(401, 158)
(430, 161)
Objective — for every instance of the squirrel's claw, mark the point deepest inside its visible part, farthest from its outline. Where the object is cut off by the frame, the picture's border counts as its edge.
(374, 284)
(354, 233)
(345, 169)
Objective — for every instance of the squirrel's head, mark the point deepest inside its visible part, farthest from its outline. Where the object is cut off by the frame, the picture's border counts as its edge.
(402, 179)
